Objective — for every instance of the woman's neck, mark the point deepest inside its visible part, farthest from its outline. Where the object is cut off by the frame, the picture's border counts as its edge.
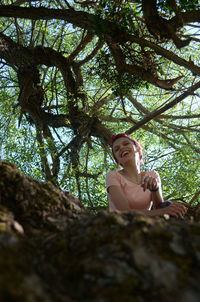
(132, 172)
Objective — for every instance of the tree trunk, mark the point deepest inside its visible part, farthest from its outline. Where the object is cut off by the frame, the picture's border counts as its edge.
(53, 249)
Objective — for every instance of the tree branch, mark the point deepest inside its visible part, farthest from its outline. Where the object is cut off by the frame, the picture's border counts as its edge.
(179, 117)
(94, 23)
(98, 46)
(156, 113)
(196, 195)
(134, 69)
(84, 41)
(160, 27)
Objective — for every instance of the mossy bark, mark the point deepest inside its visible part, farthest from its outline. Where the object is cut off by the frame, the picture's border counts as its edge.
(52, 249)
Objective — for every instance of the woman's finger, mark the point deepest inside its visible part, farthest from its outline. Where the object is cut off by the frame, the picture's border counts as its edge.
(153, 184)
(176, 210)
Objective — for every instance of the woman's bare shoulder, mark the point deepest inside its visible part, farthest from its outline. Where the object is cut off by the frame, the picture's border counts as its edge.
(111, 174)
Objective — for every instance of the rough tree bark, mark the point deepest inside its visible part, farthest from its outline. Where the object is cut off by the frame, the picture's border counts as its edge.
(52, 249)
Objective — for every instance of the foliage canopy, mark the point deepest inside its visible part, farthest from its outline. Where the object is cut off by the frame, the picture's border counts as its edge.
(75, 72)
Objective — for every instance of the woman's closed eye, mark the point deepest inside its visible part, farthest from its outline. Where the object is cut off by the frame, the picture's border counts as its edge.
(117, 147)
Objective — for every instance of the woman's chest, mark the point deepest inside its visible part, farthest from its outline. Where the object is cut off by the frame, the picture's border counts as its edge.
(136, 196)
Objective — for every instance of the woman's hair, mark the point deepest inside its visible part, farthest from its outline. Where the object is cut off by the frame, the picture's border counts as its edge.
(115, 137)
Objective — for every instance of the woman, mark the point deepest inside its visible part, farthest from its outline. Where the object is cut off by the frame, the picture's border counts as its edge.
(129, 189)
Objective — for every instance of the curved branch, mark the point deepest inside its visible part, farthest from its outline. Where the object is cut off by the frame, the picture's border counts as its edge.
(160, 27)
(55, 120)
(163, 52)
(138, 70)
(98, 46)
(15, 54)
(85, 40)
(19, 56)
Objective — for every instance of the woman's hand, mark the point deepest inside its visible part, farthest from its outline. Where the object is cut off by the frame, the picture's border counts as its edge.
(175, 209)
(149, 182)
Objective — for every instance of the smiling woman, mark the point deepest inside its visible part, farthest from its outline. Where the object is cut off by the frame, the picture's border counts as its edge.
(72, 72)
(130, 189)
(125, 142)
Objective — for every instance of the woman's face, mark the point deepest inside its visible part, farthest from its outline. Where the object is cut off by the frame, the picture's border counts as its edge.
(125, 150)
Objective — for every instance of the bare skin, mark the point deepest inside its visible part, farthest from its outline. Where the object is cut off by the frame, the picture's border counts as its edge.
(127, 155)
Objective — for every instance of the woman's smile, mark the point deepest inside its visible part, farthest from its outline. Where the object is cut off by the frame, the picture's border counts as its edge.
(124, 153)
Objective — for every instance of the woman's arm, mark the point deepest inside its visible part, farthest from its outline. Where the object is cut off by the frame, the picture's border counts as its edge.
(118, 198)
(153, 183)
(157, 197)
(121, 204)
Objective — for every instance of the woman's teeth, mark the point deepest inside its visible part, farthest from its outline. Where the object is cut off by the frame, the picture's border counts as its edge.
(124, 153)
